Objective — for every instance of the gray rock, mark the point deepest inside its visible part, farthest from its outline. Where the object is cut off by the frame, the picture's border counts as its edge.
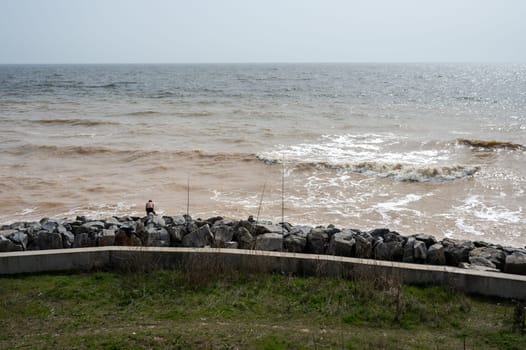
(260, 229)
(84, 240)
(317, 241)
(46, 240)
(77, 228)
(429, 240)
(244, 238)
(123, 238)
(34, 227)
(48, 224)
(409, 255)
(295, 243)
(301, 230)
(178, 220)
(139, 229)
(457, 252)
(158, 220)
(176, 234)
(515, 263)
(420, 251)
(342, 244)
(269, 241)
(111, 221)
(199, 238)
(8, 231)
(19, 238)
(93, 227)
(222, 234)
(496, 256)
(6, 245)
(379, 233)
(392, 250)
(61, 229)
(480, 261)
(158, 238)
(107, 238)
(68, 239)
(435, 255)
(469, 266)
(364, 247)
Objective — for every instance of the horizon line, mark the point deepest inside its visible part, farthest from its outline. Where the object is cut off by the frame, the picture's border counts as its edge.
(261, 62)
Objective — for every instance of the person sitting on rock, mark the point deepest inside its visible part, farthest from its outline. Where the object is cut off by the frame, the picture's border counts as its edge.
(150, 207)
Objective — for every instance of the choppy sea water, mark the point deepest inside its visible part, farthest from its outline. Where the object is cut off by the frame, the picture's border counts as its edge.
(434, 148)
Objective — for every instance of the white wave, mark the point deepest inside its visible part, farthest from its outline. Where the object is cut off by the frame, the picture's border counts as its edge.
(375, 155)
(476, 207)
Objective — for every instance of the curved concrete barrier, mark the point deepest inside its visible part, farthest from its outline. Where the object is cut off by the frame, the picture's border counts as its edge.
(216, 260)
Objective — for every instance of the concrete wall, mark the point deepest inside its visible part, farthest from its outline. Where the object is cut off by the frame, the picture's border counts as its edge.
(218, 260)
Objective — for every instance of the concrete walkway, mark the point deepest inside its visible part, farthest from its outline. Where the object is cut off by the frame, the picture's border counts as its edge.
(219, 260)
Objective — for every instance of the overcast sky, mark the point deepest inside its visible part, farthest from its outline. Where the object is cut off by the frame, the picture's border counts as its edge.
(143, 31)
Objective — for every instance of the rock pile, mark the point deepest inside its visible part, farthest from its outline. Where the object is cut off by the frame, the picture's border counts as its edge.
(183, 231)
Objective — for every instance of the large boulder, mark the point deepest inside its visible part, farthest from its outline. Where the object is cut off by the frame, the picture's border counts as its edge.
(420, 251)
(94, 226)
(111, 221)
(199, 238)
(457, 252)
(429, 240)
(409, 255)
(19, 238)
(222, 234)
(127, 238)
(244, 238)
(392, 250)
(260, 229)
(176, 233)
(435, 255)
(342, 244)
(317, 241)
(68, 239)
(270, 242)
(85, 239)
(482, 262)
(158, 237)
(46, 240)
(107, 238)
(295, 243)
(478, 256)
(156, 220)
(48, 224)
(469, 266)
(378, 233)
(177, 220)
(515, 263)
(364, 246)
(6, 245)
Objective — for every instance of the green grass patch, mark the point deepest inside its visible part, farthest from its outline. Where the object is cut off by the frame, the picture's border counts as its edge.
(170, 310)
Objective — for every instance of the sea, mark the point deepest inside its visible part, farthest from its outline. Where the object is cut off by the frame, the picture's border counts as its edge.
(416, 148)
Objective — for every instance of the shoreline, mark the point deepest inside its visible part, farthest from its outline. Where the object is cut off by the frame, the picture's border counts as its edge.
(219, 232)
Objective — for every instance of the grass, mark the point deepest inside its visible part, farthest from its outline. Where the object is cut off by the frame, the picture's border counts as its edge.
(167, 309)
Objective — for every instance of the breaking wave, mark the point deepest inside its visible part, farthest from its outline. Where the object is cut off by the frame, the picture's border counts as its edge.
(491, 144)
(379, 155)
(396, 171)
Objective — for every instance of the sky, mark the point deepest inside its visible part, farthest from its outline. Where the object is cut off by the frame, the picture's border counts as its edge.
(208, 31)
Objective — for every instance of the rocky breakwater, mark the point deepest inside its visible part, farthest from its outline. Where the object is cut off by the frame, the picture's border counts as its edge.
(183, 231)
